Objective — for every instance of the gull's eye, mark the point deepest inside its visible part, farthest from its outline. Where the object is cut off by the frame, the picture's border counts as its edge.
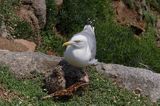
(77, 41)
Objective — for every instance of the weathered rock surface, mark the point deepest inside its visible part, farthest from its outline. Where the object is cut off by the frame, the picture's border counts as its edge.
(18, 45)
(27, 64)
(139, 80)
(33, 10)
(10, 45)
(3, 30)
(40, 11)
(26, 13)
(31, 46)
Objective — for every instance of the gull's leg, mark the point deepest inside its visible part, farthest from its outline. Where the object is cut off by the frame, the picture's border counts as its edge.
(85, 78)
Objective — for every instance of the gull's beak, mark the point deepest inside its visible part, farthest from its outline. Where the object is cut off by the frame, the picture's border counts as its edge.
(67, 43)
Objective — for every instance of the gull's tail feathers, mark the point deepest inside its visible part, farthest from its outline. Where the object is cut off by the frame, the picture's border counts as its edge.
(89, 25)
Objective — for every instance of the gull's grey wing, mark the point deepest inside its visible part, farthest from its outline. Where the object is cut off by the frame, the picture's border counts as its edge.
(88, 32)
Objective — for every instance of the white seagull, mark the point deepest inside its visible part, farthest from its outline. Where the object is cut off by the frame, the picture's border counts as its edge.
(81, 48)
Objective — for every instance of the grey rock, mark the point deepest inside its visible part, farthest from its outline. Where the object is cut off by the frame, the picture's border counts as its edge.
(40, 11)
(143, 81)
(3, 30)
(28, 64)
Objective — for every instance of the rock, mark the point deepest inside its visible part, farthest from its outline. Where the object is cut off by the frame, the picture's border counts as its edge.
(29, 45)
(26, 13)
(27, 64)
(40, 11)
(145, 81)
(10, 45)
(18, 45)
(33, 11)
(3, 31)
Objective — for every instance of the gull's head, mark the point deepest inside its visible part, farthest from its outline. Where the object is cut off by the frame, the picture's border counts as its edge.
(77, 41)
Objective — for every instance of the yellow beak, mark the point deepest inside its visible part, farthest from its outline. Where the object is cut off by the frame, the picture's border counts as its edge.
(67, 43)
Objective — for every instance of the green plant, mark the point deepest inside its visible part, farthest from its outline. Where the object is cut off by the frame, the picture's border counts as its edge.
(51, 42)
(14, 24)
(23, 30)
(100, 92)
(74, 14)
(51, 15)
(149, 18)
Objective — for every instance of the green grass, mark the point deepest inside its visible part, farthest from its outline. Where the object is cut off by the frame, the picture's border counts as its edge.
(100, 92)
(51, 42)
(17, 27)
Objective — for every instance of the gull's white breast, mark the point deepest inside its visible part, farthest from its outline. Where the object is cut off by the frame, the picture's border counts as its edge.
(77, 57)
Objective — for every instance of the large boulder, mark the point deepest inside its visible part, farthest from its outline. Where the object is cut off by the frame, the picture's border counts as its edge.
(27, 64)
(139, 80)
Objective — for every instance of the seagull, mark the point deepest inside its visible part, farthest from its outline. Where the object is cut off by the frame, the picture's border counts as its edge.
(81, 48)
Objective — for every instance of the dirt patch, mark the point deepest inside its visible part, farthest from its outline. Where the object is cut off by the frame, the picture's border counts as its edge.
(129, 17)
(8, 95)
